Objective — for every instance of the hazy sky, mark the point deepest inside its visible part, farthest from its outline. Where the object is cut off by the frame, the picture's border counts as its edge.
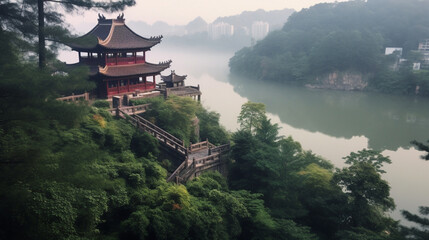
(180, 12)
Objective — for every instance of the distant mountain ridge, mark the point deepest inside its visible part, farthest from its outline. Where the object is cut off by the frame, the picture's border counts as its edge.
(275, 18)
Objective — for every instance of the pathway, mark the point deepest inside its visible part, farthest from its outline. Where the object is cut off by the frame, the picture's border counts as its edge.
(198, 157)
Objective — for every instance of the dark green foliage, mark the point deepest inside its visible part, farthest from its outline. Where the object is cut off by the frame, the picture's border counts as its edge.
(101, 104)
(338, 51)
(301, 188)
(371, 157)
(368, 194)
(175, 115)
(251, 116)
(210, 127)
(422, 147)
(421, 232)
(343, 37)
(142, 144)
(178, 116)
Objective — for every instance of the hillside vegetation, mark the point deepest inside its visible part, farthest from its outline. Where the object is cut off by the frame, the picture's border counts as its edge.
(343, 37)
(72, 171)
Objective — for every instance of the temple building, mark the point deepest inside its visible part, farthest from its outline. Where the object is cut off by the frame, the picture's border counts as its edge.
(174, 80)
(174, 84)
(117, 58)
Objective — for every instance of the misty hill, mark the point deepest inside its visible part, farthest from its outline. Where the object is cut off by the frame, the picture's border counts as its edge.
(196, 25)
(347, 37)
(275, 18)
(196, 32)
(158, 28)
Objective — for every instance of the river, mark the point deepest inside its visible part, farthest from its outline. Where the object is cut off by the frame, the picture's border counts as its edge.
(329, 123)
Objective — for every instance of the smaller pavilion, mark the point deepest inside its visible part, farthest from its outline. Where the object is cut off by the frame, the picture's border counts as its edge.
(174, 80)
(174, 84)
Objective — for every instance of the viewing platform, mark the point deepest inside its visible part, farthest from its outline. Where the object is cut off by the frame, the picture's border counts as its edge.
(183, 91)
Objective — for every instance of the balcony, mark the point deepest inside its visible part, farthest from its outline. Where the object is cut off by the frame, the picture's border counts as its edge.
(124, 60)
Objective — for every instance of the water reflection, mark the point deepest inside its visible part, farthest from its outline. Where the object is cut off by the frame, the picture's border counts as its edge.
(389, 122)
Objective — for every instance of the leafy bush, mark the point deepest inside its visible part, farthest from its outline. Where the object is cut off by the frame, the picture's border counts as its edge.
(101, 104)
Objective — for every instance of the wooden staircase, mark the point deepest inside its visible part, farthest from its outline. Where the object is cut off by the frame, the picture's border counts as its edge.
(199, 157)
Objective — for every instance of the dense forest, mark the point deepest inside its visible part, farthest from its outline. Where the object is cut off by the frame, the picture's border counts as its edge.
(344, 37)
(72, 171)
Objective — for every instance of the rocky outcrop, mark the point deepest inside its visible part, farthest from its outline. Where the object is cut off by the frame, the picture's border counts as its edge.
(341, 80)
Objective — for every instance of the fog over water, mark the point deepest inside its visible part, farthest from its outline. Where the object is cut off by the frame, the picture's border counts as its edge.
(330, 123)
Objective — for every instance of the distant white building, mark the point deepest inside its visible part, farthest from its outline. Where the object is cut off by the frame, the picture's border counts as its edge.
(391, 50)
(424, 50)
(416, 66)
(424, 45)
(218, 30)
(398, 54)
(260, 30)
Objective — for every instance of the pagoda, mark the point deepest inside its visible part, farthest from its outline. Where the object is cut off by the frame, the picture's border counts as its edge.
(174, 84)
(116, 57)
(174, 80)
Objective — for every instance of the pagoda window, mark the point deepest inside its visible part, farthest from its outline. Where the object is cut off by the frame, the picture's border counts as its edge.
(133, 81)
(110, 59)
(140, 79)
(140, 57)
(113, 84)
(123, 82)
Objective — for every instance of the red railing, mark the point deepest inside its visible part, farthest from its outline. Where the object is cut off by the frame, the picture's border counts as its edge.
(112, 91)
(130, 88)
(150, 85)
(140, 59)
(135, 87)
(123, 89)
(124, 61)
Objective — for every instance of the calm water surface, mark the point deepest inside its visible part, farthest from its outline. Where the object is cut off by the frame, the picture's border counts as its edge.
(330, 123)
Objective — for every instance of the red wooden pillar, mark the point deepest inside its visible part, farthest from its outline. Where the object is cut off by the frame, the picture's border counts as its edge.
(144, 56)
(135, 57)
(128, 85)
(117, 89)
(154, 83)
(116, 58)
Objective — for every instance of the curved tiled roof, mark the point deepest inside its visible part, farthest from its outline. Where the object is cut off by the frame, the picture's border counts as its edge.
(133, 69)
(173, 77)
(112, 34)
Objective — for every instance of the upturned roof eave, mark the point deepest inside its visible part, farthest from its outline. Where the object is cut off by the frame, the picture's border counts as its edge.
(160, 67)
(102, 45)
(100, 48)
